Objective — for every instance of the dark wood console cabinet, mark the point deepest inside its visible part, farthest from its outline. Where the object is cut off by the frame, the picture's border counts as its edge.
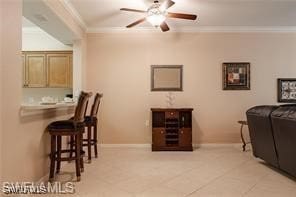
(172, 129)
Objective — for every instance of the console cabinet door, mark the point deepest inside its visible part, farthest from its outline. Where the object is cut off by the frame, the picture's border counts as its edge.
(158, 137)
(185, 137)
(35, 70)
(58, 70)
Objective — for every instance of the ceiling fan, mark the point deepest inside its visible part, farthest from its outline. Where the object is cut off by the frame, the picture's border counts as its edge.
(157, 13)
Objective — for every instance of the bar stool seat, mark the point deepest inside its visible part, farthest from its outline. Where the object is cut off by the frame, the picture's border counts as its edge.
(90, 120)
(68, 125)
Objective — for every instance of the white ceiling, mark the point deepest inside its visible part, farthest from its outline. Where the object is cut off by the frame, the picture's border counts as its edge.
(212, 14)
(38, 14)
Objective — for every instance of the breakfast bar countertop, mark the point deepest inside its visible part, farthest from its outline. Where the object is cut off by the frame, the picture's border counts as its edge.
(36, 106)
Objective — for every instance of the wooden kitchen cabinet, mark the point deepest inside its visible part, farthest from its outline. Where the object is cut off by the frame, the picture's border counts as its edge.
(51, 69)
(59, 70)
(35, 70)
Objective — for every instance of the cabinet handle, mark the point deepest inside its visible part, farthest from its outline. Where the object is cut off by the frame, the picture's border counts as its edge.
(181, 132)
(161, 132)
(172, 113)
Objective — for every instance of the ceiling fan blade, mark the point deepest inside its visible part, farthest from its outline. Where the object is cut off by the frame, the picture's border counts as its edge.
(167, 4)
(164, 27)
(136, 23)
(133, 10)
(182, 16)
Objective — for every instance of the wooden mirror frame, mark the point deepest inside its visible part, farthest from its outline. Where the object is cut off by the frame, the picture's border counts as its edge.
(154, 67)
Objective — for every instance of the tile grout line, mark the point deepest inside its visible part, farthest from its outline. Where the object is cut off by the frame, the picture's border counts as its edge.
(245, 193)
(188, 171)
(215, 179)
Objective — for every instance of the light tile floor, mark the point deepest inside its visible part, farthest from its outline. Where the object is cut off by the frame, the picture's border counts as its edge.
(207, 171)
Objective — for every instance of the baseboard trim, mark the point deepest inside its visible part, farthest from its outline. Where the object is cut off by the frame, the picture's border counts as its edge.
(205, 145)
(125, 145)
(220, 145)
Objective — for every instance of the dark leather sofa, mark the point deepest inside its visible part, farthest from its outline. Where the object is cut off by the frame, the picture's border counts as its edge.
(273, 135)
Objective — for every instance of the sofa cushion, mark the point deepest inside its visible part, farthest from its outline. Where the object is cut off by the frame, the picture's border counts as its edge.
(284, 125)
(261, 133)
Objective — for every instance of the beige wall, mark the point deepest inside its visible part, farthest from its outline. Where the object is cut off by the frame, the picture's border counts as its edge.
(1, 124)
(119, 66)
(25, 144)
(79, 65)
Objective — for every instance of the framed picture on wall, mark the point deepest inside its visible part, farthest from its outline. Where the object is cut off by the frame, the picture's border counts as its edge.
(236, 76)
(287, 90)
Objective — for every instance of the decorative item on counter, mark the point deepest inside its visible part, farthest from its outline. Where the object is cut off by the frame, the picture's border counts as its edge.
(170, 98)
(47, 100)
(69, 95)
(68, 100)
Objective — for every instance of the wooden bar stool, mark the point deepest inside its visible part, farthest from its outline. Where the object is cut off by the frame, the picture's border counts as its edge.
(69, 128)
(91, 123)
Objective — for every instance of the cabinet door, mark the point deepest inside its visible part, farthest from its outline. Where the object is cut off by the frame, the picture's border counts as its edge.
(158, 137)
(35, 70)
(185, 137)
(58, 70)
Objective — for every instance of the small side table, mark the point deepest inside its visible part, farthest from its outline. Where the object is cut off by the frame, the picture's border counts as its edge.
(243, 123)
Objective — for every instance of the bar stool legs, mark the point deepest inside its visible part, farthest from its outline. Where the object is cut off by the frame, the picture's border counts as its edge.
(95, 140)
(56, 152)
(89, 143)
(78, 158)
(52, 157)
(59, 148)
(81, 157)
(91, 140)
(71, 143)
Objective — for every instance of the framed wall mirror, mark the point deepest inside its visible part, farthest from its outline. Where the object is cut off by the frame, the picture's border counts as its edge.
(166, 78)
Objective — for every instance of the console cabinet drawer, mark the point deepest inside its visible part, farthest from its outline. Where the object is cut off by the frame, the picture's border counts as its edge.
(171, 114)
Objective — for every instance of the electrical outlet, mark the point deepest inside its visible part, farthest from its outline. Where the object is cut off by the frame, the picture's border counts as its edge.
(147, 123)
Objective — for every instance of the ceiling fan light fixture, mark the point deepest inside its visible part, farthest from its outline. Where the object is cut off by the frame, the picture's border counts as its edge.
(156, 20)
(155, 15)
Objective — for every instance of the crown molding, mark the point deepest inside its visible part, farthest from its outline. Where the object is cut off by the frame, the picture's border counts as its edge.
(217, 29)
(202, 145)
(74, 13)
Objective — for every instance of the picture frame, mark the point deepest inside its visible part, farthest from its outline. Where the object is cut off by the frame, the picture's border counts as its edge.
(287, 90)
(166, 77)
(236, 76)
